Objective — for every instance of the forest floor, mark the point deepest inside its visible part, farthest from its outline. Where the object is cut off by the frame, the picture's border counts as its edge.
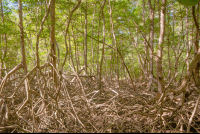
(78, 105)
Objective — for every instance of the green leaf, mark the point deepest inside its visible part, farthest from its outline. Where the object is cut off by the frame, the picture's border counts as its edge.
(188, 2)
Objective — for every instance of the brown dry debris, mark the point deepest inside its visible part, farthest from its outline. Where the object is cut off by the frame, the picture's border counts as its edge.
(115, 108)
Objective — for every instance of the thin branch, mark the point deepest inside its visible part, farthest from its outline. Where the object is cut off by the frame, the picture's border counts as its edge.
(192, 116)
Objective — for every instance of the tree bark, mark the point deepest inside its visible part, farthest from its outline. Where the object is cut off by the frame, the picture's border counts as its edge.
(4, 49)
(22, 36)
(160, 49)
(151, 36)
(187, 41)
(102, 55)
(146, 63)
(52, 41)
(196, 45)
(85, 47)
(92, 49)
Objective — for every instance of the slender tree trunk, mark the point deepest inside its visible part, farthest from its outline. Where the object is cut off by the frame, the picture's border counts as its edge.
(187, 42)
(145, 44)
(58, 49)
(4, 49)
(22, 36)
(52, 41)
(102, 55)
(196, 44)
(112, 62)
(117, 68)
(168, 48)
(151, 43)
(23, 56)
(97, 60)
(85, 46)
(92, 49)
(159, 68)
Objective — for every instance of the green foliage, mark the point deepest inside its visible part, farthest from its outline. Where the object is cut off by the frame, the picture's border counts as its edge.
(124, 12)
(188, 2)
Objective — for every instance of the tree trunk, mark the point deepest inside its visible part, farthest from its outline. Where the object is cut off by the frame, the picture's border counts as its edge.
(146, 67)
(160, 49)
(85, 46)
(22, 37)
(4, 49)
(52, 41)
(187, 42)
(196, 45)
(102, 55)
(92, 49)
(151, 43)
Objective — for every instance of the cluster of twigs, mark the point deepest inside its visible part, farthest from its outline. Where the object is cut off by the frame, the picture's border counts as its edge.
(31, 103)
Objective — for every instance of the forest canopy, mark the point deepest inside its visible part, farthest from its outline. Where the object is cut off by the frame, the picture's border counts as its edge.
(188, 2)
